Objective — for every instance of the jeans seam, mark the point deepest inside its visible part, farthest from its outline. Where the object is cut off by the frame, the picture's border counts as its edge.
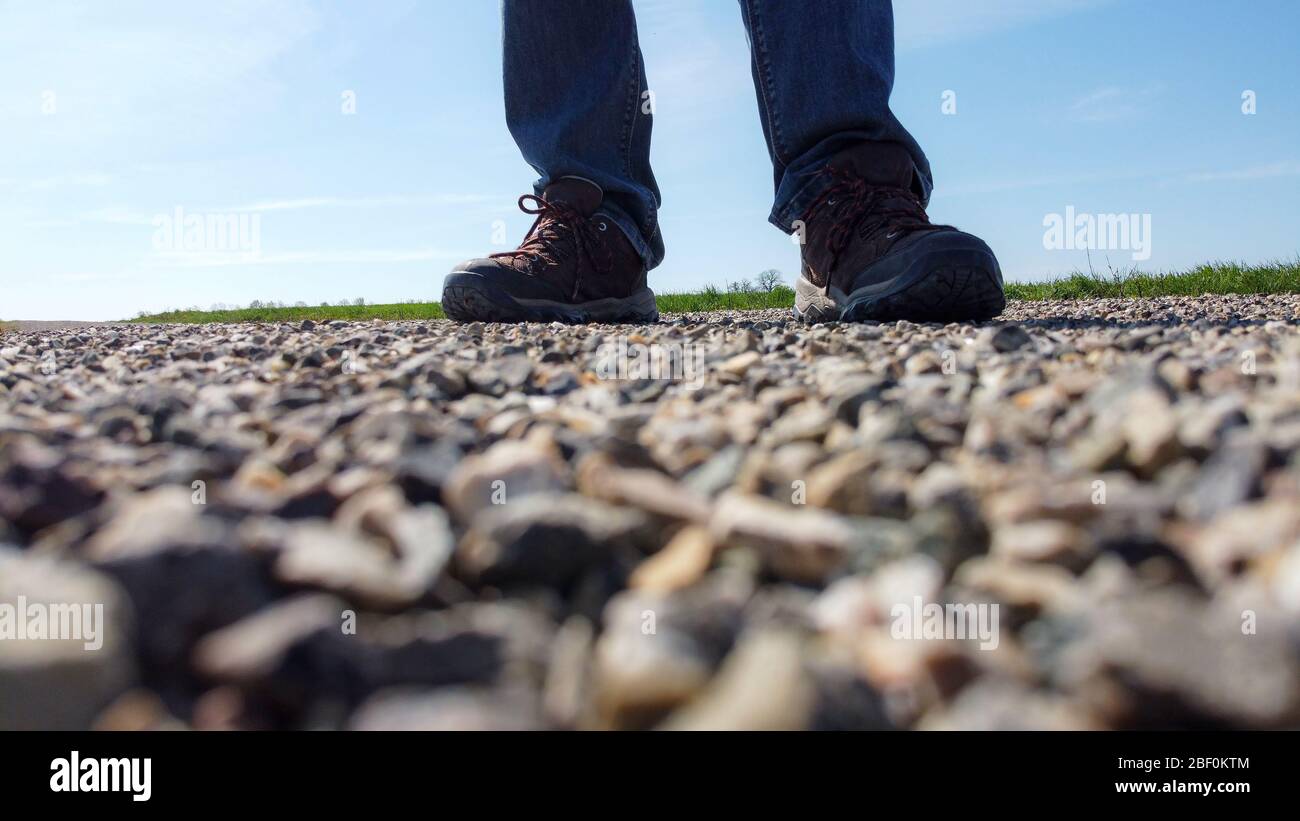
(653, 217)
(629, 117)
(765, 84)
(629, 133)
(634, 85)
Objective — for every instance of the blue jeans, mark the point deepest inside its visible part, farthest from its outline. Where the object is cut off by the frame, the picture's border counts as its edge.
(576, 102)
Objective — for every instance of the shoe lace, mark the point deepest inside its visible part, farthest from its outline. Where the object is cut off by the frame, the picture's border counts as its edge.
(854, 206)
(560, 233)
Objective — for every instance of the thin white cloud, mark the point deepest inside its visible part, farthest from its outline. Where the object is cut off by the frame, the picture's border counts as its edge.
(51, 223)
(84, 277)
(115, 215)
(363, 257)
(1113, 103)
(1286, 168)
(61, 181)
(1164, 179)
(303, 203)
(1017, 184)
(921, 23)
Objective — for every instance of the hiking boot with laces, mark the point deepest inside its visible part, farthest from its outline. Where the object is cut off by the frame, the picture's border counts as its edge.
(575, 265)
(870, 251)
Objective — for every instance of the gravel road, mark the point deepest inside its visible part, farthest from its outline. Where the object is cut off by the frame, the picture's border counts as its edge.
(1084, 515)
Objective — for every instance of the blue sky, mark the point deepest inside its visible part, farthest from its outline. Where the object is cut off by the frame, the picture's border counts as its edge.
(114, 114)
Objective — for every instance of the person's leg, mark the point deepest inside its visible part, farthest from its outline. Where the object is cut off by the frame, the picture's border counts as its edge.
(823, 73)
(574, 92)
(849, 179)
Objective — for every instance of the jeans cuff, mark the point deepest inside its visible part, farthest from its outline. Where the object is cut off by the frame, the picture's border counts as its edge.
(797, 193)
(631, 230)
(792, 206)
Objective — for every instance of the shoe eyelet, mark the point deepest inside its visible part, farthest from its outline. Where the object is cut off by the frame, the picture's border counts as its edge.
(830, 201)
(603, 226)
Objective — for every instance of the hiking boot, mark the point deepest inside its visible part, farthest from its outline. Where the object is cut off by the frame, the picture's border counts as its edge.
(574, 266)
(871, 253)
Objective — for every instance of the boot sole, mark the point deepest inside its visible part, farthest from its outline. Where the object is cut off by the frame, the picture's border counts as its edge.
(470, 297)
(964, 288)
